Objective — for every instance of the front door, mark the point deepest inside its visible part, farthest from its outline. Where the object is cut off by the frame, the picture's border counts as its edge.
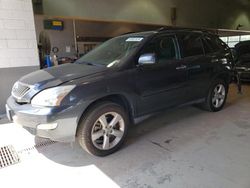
(162, 84)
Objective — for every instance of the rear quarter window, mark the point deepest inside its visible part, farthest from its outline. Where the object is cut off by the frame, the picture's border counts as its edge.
(221, 44)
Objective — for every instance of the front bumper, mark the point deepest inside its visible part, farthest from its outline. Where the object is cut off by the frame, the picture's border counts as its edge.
(61, 122)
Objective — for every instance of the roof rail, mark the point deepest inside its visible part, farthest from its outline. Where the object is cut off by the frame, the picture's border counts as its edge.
(167, 28)
(128, 33)
(185, 29)
(161, 29)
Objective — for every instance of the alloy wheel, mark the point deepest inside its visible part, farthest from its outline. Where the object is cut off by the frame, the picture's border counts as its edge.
(219, 96)
(108, 131)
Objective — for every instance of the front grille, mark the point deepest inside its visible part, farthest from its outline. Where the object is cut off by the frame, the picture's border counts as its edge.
(8, 156)
(19, 90)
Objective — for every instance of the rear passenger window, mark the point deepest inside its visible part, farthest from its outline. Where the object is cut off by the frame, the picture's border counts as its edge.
(207, 47)
(221, 44)
(191, 45)
(210, 44)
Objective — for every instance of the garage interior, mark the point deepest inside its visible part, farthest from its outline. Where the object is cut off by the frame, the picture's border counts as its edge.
(183, 147)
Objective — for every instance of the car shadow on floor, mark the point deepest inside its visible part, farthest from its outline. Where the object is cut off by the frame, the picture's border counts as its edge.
(163, 126)
(160, 137)
(73, 155)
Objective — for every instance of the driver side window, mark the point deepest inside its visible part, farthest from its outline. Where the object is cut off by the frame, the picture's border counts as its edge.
(163, 47)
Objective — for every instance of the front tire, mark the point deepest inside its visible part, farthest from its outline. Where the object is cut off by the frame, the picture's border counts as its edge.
(103, 129)
(217, 96)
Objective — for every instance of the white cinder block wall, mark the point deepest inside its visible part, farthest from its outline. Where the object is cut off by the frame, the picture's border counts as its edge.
(18, 45)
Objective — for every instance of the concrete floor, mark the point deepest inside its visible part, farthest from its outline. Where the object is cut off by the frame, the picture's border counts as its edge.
(183, 148)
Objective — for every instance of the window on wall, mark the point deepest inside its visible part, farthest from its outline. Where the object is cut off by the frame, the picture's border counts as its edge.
(244, 37)
(231, 41)
(191, 45)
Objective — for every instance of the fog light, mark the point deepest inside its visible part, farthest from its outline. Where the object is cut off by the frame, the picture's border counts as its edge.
(48, 126)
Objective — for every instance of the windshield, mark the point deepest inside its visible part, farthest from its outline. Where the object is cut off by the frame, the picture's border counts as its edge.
(111, 52)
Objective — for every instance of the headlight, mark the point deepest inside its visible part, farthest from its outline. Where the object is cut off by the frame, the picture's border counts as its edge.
(52, 96)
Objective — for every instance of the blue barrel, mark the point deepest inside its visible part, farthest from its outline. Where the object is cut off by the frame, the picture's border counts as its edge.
(47, 61)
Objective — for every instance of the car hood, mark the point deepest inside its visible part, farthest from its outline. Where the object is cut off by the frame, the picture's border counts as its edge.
(57, 75)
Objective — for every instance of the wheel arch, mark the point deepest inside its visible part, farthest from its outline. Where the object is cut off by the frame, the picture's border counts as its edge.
(224, 76)
(120, 99)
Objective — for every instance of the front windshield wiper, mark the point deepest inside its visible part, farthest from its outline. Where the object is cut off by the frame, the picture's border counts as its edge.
(90, 63)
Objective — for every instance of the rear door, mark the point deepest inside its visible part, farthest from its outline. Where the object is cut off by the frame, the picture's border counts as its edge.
(162, 84)
(198, 64)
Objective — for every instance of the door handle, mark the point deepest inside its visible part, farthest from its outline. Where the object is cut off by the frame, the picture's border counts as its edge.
(194, 67)
(215, 60)
(222, 60)
(181, 67)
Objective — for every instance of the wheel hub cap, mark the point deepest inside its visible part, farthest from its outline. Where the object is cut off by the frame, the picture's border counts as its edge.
(108, 130)
(219, 96)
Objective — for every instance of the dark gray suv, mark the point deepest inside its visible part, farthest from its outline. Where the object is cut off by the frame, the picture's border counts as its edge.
(101, 94)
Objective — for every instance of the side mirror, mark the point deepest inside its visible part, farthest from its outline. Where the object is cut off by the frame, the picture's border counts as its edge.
(147, 59)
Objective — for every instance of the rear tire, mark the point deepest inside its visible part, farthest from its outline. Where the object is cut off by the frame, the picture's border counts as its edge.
(217, 96)
(103, 129)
